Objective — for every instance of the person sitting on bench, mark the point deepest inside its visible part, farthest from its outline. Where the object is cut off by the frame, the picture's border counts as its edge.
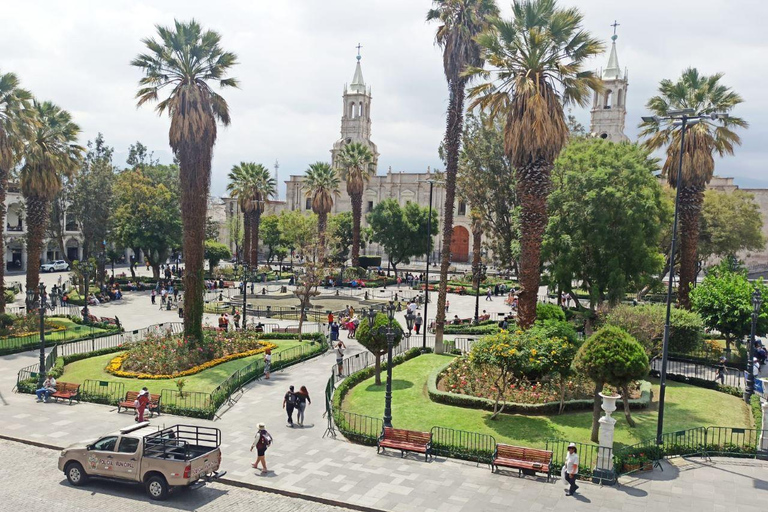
(49, 388)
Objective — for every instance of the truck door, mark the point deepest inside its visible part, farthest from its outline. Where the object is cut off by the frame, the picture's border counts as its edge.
(126, 460)
(101, 457)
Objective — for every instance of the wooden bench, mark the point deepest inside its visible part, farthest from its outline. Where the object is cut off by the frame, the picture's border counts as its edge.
(291, 330)
(528, 459)
(130, 398)
(66, 391)
(109, 321)
(405, 441)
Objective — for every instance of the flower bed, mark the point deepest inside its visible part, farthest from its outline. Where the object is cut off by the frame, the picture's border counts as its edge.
(524, 398)
(166, 357)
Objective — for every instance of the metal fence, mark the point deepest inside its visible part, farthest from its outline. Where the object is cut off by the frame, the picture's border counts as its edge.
(102, 391)
(588, 456)
(357, 427)
(678, 370)
(461, 444)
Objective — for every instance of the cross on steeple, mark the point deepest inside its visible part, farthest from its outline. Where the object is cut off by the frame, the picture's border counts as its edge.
(614, 25)
(358, 50)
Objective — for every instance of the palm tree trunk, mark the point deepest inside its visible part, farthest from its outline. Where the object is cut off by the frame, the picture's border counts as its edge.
(532, 189)
(245, 255)
(3, 194)
(357, 212)
(322, 222)
(37, 222)
(195, 169)
(453, 131)
(691, 201)
(255, 225)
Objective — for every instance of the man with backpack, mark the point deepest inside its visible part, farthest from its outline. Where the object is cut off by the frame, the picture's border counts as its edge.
(289, 404)
(261, 442)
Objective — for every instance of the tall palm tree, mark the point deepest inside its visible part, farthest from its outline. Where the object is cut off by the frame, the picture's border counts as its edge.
(186, 60)
(264, 187)
(239, 187)
(461, 21)
(537, 60)
(357, 168)
(16, 124)
(252, 185)
(49, 154)
(322, 185)
(706, 95)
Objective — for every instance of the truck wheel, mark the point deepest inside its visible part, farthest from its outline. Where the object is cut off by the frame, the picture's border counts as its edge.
(157, 488)
(75, 474)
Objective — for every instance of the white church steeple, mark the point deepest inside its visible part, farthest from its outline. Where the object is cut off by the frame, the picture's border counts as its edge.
(356, 116)
(609, 108)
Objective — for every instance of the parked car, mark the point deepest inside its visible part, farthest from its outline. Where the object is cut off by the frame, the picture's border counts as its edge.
(54, 266)
(160, 460)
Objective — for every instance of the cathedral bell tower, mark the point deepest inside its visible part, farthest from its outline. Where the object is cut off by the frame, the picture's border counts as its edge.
(356, 116)
(609, 108)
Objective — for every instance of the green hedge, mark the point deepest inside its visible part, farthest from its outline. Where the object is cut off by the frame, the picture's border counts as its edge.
(486, 327)
(474, 402)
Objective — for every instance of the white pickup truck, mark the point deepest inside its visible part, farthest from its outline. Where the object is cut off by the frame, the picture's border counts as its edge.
(177, 456)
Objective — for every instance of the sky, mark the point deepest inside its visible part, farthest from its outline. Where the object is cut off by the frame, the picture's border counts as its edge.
(296, 55)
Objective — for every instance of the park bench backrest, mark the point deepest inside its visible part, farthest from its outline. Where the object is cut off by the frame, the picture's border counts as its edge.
(67, 388)
(506, 451)
(407, 436)
(131, 396)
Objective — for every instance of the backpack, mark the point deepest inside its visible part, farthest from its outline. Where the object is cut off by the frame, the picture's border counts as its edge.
(291, 398)
(265, 440)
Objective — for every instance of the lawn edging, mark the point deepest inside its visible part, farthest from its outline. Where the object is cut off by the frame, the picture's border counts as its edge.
(473, 402)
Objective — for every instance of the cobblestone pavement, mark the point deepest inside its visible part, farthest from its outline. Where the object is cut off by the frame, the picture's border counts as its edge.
(27, 487)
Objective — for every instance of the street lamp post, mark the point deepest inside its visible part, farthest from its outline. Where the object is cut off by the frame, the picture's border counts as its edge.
(749, 390)
(390, 331)
(683, 118)
(244, 278)
(479, 273)
(426, 274)
(37, 298)
(87, 268)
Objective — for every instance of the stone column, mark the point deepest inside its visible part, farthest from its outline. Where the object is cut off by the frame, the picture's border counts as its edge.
(604, 470)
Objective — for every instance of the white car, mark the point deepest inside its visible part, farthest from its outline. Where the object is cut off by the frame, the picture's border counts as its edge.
(54, 266)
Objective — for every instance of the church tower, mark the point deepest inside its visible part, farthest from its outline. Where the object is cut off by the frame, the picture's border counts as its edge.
(609, 108)
(356, 116)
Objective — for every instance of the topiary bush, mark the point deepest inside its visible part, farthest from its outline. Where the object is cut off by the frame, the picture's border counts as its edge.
(547, 311)
(611, 356)
(375, 339)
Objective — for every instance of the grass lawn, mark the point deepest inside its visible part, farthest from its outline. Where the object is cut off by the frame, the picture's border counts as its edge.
(206, 381)
(686, 407)
(72, 331)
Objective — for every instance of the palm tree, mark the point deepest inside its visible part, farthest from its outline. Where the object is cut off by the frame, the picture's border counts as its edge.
(252, 185)
(357, 168)
(185, 60)
(537, 61)
(706, 95)
(461, 21)
(50, 153)
(322, 184)
(16, 124)
(239, 187)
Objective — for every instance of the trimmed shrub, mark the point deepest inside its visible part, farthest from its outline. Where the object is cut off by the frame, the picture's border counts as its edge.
(547, 311)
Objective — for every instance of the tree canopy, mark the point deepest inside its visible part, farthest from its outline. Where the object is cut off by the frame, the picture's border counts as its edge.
(606, 213)
(401, 231)
(375, 340)
(730, 222)
(215, 252)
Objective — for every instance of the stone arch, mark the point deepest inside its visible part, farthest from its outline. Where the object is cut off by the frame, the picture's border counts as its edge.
(460, 244)
(607, 99)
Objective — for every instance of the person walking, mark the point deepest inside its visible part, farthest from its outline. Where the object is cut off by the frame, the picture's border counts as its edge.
(330, 319)
(418, 321)
(488, 295)
(302, 399)
(261, 442)
(340, 356)
(720, 371)
(267, 362)
(571, 469)
(142, 401)
(334, 332)
(447, 305)
(236, 318)
(154, 297)
(289, 404)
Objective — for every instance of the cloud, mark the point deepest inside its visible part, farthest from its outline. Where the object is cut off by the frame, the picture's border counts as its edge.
(295, 56)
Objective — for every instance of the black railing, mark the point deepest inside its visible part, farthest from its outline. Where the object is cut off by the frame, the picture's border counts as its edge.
(102, 391)
(679, 370)
(357, 427)
(732, 441)
(461, 444)
(588, 456)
